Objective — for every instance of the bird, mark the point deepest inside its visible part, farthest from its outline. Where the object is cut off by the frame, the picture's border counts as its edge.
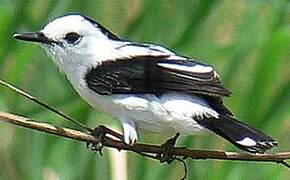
(145, 86)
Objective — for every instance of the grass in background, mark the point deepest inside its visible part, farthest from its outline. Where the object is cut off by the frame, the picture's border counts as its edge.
(247, 41)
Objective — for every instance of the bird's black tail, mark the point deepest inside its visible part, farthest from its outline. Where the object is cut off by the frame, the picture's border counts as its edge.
(238, 133)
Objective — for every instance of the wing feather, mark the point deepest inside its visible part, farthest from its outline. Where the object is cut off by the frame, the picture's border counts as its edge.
(156, 75)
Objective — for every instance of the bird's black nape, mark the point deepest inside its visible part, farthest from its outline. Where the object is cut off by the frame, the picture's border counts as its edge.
(104, 30)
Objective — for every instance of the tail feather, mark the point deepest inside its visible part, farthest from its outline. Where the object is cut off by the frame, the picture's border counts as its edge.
(238, 133)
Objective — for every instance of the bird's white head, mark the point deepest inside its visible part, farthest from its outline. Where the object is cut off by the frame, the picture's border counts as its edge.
(73, 40)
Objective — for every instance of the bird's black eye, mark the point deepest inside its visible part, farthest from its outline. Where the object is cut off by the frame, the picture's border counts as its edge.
(72, 37)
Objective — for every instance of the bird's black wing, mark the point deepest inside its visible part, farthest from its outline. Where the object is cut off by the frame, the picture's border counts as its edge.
(154, 74)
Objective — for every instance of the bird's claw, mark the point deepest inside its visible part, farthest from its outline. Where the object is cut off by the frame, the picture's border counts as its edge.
(166, 155)
(99, 133)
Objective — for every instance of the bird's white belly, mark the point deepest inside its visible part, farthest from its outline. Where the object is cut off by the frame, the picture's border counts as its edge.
(169, 113)
(133, 108)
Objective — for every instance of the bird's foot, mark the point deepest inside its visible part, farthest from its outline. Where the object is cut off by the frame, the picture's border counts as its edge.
(166, 155)
(100, 133)
(130, 134)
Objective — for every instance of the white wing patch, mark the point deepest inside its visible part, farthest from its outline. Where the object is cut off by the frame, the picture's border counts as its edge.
(247, 142)
(195, 69)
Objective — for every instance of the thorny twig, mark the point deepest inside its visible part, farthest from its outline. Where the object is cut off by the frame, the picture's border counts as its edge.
(143, 149)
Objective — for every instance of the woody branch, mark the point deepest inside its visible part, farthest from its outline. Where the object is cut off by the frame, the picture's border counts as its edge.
(279, 157)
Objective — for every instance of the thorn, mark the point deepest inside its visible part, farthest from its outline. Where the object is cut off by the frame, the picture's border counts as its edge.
(283, 162)
(184, 166)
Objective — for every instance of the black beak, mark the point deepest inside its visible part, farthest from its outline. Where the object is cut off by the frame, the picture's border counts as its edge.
(34, 37)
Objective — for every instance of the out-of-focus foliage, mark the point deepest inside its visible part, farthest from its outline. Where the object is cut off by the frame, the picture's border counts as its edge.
(246, 40)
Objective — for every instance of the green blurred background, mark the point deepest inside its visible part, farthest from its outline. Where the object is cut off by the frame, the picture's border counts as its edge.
(246, 40)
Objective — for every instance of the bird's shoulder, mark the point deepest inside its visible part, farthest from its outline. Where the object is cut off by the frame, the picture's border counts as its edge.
(163, 58)
(127, 50)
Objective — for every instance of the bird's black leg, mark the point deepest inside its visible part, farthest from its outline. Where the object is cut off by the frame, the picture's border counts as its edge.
(100, 133)
(166, 156)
